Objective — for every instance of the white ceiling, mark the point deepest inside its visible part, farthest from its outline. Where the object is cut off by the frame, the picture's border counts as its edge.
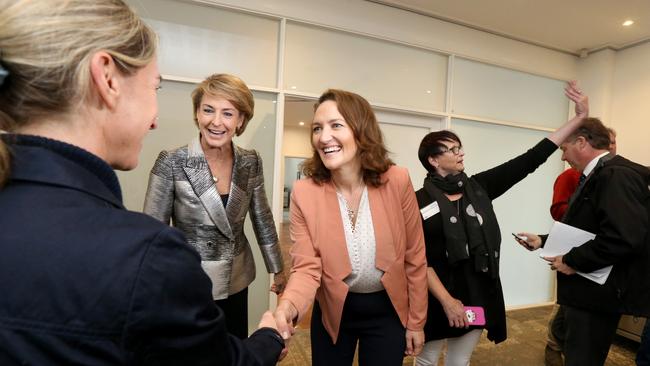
(566, 25)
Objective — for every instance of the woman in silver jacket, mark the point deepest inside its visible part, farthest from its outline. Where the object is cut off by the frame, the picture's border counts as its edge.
(206, 188)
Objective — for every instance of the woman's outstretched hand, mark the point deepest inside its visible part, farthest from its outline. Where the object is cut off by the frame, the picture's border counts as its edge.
(285, 315)
(582, 111)
(581, 101)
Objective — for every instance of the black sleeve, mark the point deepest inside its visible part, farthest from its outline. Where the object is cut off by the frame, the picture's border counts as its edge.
(173, 319)
(622, 221)
(498, 180)
(544, 237)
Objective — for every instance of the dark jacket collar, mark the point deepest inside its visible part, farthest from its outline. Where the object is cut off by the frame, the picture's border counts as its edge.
(47, 161)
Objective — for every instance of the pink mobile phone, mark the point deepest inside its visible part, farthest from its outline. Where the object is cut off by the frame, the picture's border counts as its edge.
(475, 315)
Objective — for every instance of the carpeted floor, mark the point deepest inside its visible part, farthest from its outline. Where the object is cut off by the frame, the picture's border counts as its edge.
(524, 346)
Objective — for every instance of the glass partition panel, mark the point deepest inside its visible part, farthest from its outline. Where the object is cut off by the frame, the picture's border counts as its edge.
(381, 71)
(199, 40)
(403, 143)
(525, 207)
(494, 92)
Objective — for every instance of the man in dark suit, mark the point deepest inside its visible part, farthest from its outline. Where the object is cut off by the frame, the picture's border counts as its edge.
(565, 185)
(612, 202)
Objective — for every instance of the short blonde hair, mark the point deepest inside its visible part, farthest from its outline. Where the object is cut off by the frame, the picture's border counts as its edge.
(46, 47)
(232, 89)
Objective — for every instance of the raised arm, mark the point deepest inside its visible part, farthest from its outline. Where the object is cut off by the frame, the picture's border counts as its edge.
(499, 179)
(582, 111)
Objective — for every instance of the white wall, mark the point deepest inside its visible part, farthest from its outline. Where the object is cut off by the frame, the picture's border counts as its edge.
(596, 76)
(396, 24)
(630, 114)
(618, 85)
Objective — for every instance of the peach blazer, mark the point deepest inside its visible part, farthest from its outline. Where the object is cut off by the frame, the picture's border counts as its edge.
(320, 260)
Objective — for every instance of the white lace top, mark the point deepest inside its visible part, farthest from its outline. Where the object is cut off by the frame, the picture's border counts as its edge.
(360, 239)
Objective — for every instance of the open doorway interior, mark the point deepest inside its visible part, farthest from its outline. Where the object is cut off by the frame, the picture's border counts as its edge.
(296, 147)
(292, 172)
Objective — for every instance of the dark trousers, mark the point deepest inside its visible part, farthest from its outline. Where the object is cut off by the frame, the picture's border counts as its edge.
(643, 355)
(584, 336)
(235, 308)
(368, 319)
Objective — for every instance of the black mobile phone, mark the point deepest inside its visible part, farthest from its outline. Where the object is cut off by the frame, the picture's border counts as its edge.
(521, 241)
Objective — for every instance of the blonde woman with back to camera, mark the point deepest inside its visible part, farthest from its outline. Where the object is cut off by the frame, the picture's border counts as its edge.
(83, 280)
(207, 187)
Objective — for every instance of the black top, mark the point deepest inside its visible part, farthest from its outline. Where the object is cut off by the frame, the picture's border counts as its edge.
(224, 199)
(463, 281)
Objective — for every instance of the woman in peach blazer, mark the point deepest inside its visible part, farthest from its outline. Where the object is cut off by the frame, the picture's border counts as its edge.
(358, 246)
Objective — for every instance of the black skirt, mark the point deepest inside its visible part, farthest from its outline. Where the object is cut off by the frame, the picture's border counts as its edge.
(472, 289)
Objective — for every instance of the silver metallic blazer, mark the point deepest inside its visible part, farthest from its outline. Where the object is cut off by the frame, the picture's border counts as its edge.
(181, 188)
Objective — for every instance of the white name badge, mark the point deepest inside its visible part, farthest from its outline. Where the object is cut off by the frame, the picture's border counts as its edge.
(429, 210)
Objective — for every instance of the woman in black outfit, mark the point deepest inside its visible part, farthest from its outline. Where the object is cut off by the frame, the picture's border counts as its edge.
(463, 239)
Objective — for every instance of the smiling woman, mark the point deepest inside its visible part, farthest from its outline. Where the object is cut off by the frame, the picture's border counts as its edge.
(365, 269)
(207, 187)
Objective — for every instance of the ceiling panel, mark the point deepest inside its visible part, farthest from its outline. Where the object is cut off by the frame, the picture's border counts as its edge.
(570, 26)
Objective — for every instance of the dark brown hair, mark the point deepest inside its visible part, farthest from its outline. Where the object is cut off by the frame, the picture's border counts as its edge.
(358, 114)
(431, 145)
(594, 131)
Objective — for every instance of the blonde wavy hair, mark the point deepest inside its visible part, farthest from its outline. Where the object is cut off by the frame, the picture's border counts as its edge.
(46, 47)
(232, 89)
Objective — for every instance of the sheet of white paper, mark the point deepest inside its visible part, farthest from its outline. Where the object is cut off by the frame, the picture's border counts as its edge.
(599, 276)
(562, 238)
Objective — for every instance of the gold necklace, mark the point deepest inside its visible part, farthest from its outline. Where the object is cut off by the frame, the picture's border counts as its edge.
(352, 213)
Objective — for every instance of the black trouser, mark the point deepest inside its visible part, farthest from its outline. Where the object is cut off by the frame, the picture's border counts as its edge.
(235, 308)
(585, 336)
(369, 319)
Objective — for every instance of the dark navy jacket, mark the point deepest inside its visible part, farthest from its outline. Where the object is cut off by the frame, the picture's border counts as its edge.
(83, 281)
